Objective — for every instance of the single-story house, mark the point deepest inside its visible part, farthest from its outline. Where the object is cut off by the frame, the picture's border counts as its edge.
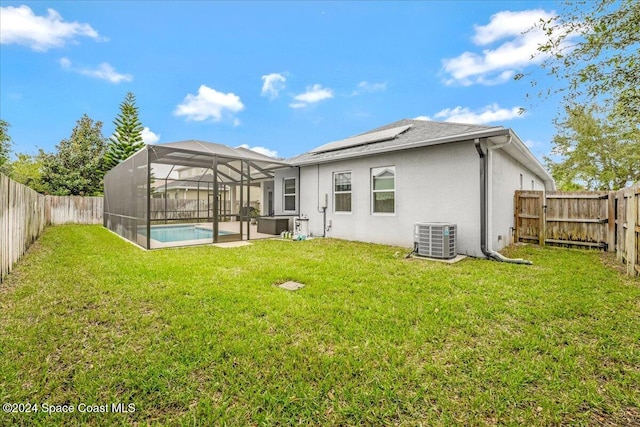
(373, 187)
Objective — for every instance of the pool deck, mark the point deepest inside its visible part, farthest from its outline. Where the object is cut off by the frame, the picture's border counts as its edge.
(230, 227)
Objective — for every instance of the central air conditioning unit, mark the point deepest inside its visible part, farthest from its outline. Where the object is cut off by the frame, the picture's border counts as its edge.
(435, 239)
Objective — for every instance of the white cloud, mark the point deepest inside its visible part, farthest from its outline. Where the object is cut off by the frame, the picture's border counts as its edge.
(490, 113)
(19, 25)
(106, 72)
(426, 118)
(209, 104)
(506, 24)
(313, 94)
(366, 87)
(150, 137)
(262, 150)
(273, 84)
(499, 64)
(103, 71)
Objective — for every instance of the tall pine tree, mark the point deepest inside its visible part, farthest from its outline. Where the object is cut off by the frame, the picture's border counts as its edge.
(127, 137)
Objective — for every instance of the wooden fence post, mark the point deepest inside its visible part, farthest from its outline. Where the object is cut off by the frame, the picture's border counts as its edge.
(611, 222)
(621, 210)
(632, 217)
(542, 230)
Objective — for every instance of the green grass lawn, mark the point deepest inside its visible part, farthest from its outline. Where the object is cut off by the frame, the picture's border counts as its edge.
(201, 336)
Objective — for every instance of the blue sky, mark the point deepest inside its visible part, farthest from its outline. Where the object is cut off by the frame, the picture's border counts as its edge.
(283, 76)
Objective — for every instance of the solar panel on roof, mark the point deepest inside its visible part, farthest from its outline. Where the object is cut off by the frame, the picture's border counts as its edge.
(367, 138)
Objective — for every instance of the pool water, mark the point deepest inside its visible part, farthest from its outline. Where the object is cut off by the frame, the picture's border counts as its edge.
(180, 233)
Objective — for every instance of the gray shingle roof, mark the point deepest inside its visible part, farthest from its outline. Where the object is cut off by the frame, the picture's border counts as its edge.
(421, 132)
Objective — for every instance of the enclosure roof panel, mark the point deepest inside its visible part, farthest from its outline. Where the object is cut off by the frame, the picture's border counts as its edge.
(256, 155)
(211, 148)
(202, 154)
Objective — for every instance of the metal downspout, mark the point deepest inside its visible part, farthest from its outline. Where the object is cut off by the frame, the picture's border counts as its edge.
(324, 210)
(484, 180)
(298, 195)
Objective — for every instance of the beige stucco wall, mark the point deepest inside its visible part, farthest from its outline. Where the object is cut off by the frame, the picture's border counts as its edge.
(433, 184)
(506, 175)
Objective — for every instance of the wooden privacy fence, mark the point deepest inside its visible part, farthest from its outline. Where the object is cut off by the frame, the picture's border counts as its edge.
(574, 218)
(174, 209)
(73, 209)
(186, 209)
(627, 214)
(24, 214)
(605, 220)
(22, 219)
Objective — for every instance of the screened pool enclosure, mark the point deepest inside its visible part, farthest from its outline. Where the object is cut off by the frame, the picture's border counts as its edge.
(188, 193)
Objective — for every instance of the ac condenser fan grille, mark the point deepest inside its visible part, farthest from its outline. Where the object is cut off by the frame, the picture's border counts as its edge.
(435, 240)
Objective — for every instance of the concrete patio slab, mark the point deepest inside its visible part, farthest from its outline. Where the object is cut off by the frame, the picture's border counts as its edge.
(232, 244)
(446, 261)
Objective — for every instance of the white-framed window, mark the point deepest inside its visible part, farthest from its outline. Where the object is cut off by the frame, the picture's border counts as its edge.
(342, 191)
(289, 186)
(383, 190)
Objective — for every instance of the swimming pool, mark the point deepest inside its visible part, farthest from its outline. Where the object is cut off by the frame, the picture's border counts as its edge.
(179, 233)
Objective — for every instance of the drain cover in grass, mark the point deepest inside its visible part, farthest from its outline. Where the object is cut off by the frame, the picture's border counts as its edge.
(291, 286)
